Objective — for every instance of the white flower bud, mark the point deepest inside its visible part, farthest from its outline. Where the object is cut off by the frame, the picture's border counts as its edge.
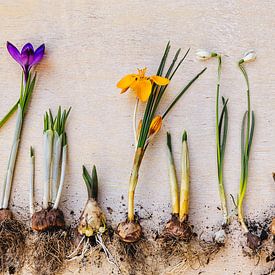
(248, 57)
(204, 54)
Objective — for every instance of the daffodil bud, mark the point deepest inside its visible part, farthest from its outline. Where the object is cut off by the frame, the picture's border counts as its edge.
(204, 54)
(248, 57)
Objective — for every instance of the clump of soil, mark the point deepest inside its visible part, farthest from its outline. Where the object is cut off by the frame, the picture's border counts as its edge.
(49, 250)
(255, 239)
(13, 234)
(135, 258)
(179, 255)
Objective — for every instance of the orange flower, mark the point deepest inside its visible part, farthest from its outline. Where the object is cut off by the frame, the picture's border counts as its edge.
(141, 84)
(155, 125)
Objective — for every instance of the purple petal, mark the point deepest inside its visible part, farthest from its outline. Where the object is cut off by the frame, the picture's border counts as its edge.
(27, 54)
(27, 48)
(15, 54)
(38, 55)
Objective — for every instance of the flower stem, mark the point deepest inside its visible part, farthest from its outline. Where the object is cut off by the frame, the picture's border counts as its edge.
(133, 183)
(12, 160)
(172, 177)
(185, 180)
(221, 121)
(246, 142)
(135, 122)
(62, 176)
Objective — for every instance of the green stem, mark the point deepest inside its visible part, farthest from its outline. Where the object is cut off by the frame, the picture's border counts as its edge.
(246, 145)
(219, 123)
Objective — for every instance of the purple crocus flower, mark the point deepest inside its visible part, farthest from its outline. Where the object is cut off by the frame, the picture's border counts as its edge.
(28, 57)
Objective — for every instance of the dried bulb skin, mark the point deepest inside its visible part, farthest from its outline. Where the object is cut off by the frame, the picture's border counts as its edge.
(129, 232)
(48, 219)
(253, 241)
(174, 229)
(92, 220)
(272, 227)
(5, 214)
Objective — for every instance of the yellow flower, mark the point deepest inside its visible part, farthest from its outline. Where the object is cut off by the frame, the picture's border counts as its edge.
(141, 84)
(155, 125)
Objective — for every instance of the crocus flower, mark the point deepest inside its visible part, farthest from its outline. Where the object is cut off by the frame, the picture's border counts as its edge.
(155, 125)
(28, 56)
(141, 84)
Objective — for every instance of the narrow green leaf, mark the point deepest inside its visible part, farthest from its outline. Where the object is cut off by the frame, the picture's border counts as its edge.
(182, 92)
(251, 134)
(9, 114)
(88, 180)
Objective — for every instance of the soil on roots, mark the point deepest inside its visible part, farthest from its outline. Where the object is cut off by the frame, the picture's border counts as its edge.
(178, 256)
(13, 234)
(49, 250)
(134, 258)
(92, 251)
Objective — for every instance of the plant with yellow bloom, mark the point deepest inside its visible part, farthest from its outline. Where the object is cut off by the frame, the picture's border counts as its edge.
(151, 90)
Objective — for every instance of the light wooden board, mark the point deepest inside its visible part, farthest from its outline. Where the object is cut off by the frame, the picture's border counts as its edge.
(89, 46)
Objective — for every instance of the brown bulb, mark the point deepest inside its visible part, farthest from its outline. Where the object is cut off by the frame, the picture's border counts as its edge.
(129, 232)
(48, 219)
(174, 229)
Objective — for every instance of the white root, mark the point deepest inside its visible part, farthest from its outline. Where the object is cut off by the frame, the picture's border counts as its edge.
(75, 252)
(108, 254)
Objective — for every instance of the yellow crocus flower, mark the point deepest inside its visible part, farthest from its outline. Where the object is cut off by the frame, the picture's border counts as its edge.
(141, 84)
(155, 125)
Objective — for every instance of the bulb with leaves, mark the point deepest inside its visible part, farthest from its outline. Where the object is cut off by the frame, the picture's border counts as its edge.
(248, 125)
(221, 136)
(178, 226)
(148, 89)
(92, 223)
(55, 158)
(50, 244)
(12, 231)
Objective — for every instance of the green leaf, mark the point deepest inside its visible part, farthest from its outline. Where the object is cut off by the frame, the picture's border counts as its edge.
(9, 114)
(91, 182)
(224, 124)
(182, 92)
(251, 134)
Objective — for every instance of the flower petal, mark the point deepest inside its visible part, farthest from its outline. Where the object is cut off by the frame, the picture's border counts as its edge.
(126, 81)
(155, 125)
(38, 55)
(159, 80)
(27, 48)
(143, 89)
(15, 54)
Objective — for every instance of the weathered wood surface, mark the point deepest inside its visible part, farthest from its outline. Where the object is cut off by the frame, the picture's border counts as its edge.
(90, 45)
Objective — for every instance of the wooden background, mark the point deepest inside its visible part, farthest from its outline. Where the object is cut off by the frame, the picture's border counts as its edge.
(90, 45)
